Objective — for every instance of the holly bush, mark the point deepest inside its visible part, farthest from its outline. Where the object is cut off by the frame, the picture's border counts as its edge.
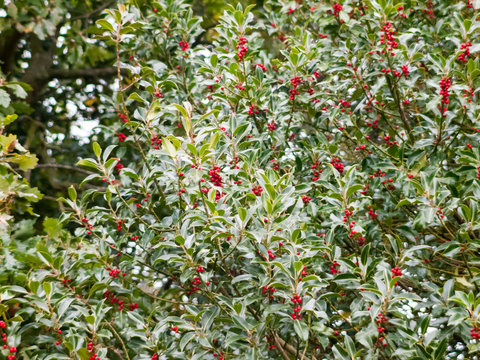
(303, 187)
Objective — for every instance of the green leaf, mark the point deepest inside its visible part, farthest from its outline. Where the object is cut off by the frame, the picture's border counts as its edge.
(8, 119)
(90, 319)
(186, 338)
(97, 150)
(298, 266)
(179, 239)
(424, 324)
(365, 254)
(350, 346)
(295, 234)
(214, 60)
(72, 193)
(4, 98)
(26, 161)
(136, 97)
(63, 305)
(168, 147)
(271, 191)
(243, 213)
(52, 227)
(83, 354)
(182, 110)
(88, 163)
(354, 188)
(47, 287)
(301, 329)
(105, 25)
(238, 15)
(18, 90)
(440, 350)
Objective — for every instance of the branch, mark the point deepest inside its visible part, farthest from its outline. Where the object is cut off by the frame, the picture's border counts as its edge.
(66, 167)
(288, 347)
(82, 73)
(280, 348)
(93, 12)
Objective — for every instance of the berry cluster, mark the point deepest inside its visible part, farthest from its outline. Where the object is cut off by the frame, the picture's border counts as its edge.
(396, 272)
(440, 213)
(182, 191)
(295, 81)
(87, 225)
(261, 66)
(155, 141)
(93, 356)
(379, 173)
(475, 333)
(394, 72)
(317, 171)
(303, 273)
(430, 9)
(373, 215)
(290, 11)
(400, 13)
(235, 162)
(272, 125)
(466, 51)
(220, 357)
(12, 349)
(123, 117)
(296, 299)
(253, 109)
(373, 124)
(121, 137)
(119, 225)
(119, 166)
(388, 37)
(242, 49)
(348, 213)
(337, 164)
(266, 290)
(195, 282)
(381, 321)
(65, 282)
(114, 272)
(257, 190)
(333, 268)
(306, 199)
(184, 45)
(215, 177)
(345, 104)
(468, 93)
(110, 295)
(275, 164)
(337, 8)
(389, 183)
(239, 86)
(445, 84)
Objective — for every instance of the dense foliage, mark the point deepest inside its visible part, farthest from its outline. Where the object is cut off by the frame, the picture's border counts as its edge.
(304, 186)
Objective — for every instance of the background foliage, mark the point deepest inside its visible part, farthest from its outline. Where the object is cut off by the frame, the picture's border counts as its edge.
(293, 180)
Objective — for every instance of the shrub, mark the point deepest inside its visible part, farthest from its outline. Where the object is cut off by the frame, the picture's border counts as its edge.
(304, 187)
